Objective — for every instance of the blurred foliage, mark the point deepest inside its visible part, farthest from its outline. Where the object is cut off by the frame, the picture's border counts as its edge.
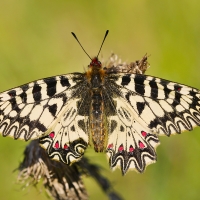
(36, 42)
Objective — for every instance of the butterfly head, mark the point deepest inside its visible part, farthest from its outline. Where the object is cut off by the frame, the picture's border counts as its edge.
(95, 63)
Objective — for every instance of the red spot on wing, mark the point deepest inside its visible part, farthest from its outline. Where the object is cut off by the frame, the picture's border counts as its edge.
(110, 146)
(177, 88)
(121, 148)
(56, 146)
(65, 146)
(51, 135)
(131, 149)
(144, 134)
(141, 145)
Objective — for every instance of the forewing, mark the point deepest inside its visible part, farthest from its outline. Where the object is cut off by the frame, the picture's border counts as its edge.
(28, 111)
(144, 107)
(165, 107)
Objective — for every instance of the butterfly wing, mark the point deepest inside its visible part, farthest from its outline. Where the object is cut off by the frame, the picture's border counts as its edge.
(46, 107)
(145, 107)
(67, 140)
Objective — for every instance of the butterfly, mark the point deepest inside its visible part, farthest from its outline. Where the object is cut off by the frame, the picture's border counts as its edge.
(115, 107)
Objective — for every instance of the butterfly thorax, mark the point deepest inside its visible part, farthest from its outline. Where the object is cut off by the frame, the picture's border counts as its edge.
(95, 76)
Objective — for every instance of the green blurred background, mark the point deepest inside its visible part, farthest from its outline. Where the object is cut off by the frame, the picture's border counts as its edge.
(36, 42)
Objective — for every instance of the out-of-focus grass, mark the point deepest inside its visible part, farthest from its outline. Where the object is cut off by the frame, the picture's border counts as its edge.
(35, 42)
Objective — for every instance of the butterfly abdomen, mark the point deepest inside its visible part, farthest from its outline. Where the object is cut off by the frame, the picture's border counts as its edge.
(97, 111)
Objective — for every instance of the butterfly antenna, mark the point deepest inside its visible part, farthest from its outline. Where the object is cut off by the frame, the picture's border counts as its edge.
(81, 45)
(103, 42)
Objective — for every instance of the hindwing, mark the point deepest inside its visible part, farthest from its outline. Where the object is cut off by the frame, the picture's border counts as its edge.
(68, 138)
